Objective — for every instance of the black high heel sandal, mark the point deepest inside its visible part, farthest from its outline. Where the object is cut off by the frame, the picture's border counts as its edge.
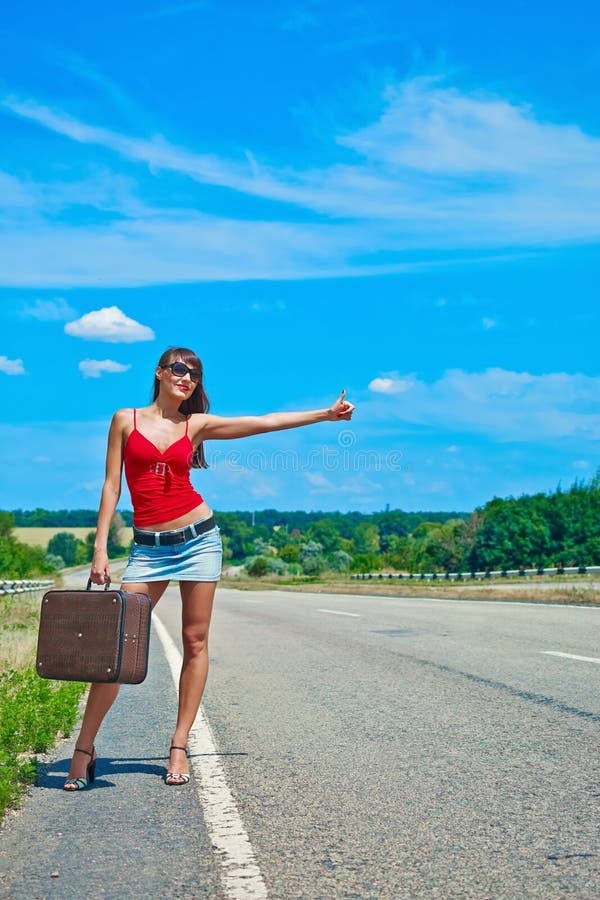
(80, 784)
(185, 778)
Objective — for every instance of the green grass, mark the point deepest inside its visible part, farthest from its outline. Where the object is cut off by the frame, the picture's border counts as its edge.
(33, 711)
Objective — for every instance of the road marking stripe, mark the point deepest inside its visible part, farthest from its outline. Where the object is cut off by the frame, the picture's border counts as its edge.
(337, 612)
(240, 873)
(570, 656)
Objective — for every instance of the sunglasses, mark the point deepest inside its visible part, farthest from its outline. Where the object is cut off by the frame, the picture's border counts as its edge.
(180, 369)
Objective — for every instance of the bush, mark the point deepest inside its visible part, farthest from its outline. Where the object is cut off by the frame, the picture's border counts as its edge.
(276, 566)
(290, 553)
(262, 547)
(340, 561)
(314, 565)
(18, 560)
(57, 562)
(66, 545)
(259, 567)
(366, 562)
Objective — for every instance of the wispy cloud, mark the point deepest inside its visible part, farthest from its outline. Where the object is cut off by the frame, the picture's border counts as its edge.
(15, 194)
(429, 127)
(93, 368)
(111, 325)
(438, 170)
(11, 366)
(434, 157)
(505, 405)
(86, 70)
(49, 310)
(159, 250)
(357, 485)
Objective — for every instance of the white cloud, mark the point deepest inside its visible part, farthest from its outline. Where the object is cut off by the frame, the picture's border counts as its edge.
(488, 323)
(93, 368)
(581, 464)
(11, 366)
(111, 325)
(41, 459)
(505, 405)
(391, 385)
(49, 310)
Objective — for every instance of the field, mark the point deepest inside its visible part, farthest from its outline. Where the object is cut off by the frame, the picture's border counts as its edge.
(40, 536)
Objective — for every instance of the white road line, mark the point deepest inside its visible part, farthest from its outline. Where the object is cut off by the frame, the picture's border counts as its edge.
(570, 656)
(336, 612)
(240, 874)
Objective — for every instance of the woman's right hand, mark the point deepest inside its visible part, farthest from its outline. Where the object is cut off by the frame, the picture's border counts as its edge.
(100, 570)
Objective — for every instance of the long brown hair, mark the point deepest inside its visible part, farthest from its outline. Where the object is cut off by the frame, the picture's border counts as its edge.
(196, 402)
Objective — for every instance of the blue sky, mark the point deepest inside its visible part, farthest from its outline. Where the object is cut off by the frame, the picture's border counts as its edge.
(401, 201)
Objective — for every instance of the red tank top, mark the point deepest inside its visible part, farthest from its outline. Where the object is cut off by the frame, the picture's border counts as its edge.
(159, 483)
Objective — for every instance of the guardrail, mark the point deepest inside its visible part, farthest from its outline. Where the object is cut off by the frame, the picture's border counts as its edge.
(21, 586)
(465, 576)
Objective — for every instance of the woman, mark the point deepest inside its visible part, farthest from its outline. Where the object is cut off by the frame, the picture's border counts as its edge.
(175, 536)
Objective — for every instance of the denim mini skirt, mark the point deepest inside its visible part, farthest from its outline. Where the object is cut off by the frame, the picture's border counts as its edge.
(198, 559)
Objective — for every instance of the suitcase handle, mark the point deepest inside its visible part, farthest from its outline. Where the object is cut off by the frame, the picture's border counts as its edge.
(106, 583)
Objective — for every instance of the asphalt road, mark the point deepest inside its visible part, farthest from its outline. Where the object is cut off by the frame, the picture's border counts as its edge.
(375, 748)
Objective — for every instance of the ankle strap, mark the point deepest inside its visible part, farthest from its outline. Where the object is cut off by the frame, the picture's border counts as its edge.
(80, 750)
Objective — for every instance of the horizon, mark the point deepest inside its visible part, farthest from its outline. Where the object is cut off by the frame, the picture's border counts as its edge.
(578, 483)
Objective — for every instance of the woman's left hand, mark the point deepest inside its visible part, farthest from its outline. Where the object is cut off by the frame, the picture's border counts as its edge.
(341, 409)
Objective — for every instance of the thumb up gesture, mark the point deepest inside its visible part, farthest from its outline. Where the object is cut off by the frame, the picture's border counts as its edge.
(342, 409)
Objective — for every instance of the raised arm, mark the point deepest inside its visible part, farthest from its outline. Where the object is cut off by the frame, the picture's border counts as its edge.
(111, 491)
(224, 428)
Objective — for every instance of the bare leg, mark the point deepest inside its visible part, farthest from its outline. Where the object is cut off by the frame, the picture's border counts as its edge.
(197, 600)
(102, 696)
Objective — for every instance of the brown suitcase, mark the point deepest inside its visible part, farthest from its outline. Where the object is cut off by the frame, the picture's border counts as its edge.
(97, 636)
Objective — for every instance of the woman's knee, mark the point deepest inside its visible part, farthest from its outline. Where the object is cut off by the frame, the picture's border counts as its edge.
(195, 640)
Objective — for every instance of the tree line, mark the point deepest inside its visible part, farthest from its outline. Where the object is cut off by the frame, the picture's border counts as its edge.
(559, 528)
